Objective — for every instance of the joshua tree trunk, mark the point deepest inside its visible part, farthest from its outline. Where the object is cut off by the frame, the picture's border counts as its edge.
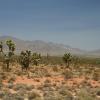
(67, 64)
(1, 50)
(7, 66)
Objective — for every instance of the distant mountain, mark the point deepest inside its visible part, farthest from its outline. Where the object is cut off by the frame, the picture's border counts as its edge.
(42, 47)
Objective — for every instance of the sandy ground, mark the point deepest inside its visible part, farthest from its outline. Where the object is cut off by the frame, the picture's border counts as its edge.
(57, 80)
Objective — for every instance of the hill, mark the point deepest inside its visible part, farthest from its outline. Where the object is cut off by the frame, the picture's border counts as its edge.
(42, 47)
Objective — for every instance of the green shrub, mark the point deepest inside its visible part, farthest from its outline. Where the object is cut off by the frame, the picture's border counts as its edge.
(85, 95)
(68, 74)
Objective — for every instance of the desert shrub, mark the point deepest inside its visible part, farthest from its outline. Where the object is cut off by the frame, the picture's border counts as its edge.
(18, 87)
(55, 68)
(34, 95)
(17, 97)
(65, 94)
(47, 87)
(68, 74)
(22, 92)
(47, 83)
(7, 95)
(1, 85)
(2, 94)
(30, 87)
(11, 79)
(23, 87)
(13, 97)
(3, 76)
(96, 75)
(10, 85)
(98, 93)
(49, 95)
(84, 95)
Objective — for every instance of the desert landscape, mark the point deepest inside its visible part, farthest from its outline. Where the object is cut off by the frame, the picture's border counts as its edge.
(32, 76)
(49, 49)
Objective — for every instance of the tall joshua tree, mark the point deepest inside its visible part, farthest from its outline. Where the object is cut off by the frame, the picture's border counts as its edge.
(67, 59)
(26, 58)
(11, 47)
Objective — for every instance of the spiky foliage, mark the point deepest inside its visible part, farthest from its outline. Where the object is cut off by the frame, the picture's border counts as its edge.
(28, 53)
(11, 47)
(1, 46)
(36, 58)
(67, 59)
(24, 59)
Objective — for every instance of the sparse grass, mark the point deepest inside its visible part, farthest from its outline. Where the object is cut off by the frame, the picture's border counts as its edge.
(52, 88)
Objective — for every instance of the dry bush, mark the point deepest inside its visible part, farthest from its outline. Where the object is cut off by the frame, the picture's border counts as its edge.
(96, 75)
(34, 95)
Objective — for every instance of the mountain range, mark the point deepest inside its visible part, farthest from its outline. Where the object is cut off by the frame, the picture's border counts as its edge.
(45, 47)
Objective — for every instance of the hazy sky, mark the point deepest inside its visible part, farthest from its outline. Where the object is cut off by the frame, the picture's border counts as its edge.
(72, 22)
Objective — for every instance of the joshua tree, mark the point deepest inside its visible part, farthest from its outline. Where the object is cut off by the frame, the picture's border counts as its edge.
(7, 61)
(1, 46)
(67, 59)
(11, 47)
(9, 44)
(24, 59)
(28, 53)
(36, 58)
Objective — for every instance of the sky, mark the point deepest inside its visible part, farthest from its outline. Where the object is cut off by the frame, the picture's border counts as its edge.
(72, 22)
